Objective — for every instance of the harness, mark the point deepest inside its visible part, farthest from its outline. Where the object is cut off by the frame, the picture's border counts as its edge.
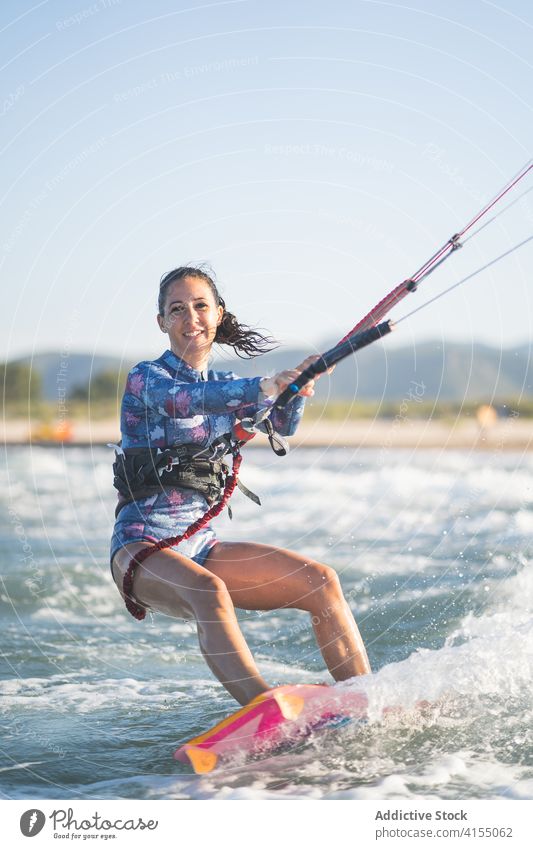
(141, 472)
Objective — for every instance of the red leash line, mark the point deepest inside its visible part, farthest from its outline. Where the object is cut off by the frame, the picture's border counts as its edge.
(138, 610)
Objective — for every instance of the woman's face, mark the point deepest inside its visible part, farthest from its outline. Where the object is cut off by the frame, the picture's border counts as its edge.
(191, 318)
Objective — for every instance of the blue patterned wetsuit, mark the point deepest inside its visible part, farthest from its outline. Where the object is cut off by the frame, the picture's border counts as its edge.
(167, 402)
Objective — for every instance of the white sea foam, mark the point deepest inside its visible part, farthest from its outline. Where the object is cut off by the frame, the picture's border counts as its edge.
(450, 532)
(446, 777)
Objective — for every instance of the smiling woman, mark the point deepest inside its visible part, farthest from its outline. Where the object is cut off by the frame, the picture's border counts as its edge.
(178, 422)
(191, 325)
(202, 301)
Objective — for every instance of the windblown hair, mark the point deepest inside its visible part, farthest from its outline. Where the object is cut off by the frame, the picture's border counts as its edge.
(245, 341)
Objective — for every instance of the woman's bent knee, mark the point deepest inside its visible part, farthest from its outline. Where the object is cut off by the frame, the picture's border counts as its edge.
(209, 594)
(165, 585)
(325, 578)
(326, 592)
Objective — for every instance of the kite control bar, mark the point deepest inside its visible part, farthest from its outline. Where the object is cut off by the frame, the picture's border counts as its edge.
(330, 358)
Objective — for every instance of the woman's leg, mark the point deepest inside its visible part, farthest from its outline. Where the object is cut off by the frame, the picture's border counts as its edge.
(172, 584)
(261, 577)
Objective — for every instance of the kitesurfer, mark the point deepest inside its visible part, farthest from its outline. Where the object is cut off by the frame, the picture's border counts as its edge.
(177, 422)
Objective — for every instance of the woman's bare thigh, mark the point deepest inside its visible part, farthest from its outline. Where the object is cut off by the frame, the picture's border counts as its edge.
(263, 577)
(166, 581)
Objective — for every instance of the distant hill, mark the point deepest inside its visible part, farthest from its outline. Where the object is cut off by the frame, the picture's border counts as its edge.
(448, 371)
(57, 372)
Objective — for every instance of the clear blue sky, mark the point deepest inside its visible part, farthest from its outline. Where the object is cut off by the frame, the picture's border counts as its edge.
(314, 153)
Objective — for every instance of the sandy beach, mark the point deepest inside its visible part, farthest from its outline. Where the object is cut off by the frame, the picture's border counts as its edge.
(511, 434)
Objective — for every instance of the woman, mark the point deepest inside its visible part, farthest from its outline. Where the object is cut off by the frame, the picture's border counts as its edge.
(174, 401)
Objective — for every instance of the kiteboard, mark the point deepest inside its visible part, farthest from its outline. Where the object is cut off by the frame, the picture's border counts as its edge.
(279, 717)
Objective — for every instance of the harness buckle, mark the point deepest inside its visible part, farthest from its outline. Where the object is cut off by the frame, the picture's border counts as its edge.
(171, 461)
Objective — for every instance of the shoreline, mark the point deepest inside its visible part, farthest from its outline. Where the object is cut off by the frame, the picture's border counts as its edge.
(511, 434)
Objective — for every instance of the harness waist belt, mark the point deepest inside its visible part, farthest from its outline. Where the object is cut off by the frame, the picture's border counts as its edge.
(141, 472)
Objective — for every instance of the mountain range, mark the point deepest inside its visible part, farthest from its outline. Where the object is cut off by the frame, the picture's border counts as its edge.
(447, 371)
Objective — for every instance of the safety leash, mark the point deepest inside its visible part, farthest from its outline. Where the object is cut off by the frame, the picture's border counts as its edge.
(138, 610)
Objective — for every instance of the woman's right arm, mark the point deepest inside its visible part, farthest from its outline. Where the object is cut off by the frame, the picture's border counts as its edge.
(150, 386)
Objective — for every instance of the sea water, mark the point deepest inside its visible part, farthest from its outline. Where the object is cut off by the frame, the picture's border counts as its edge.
(434, 551)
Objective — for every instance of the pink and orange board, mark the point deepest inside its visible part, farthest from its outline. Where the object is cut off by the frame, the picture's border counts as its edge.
(282, 715)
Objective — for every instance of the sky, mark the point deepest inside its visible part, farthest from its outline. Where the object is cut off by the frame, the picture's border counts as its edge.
(314, 154)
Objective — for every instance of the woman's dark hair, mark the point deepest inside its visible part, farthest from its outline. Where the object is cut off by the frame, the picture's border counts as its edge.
(245, 341)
